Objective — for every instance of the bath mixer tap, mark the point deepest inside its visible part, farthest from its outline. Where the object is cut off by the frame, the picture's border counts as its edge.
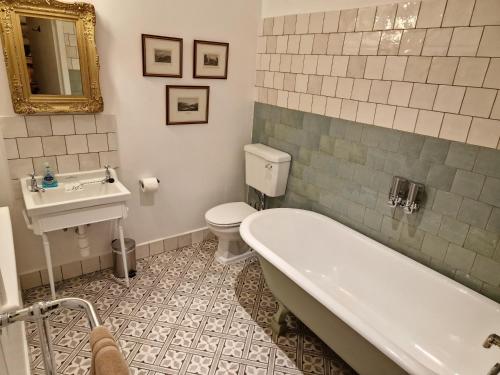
(261, 205)
(492, 339)
(34, 187)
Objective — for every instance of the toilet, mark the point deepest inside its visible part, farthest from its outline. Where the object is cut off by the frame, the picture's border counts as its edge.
(266, 170)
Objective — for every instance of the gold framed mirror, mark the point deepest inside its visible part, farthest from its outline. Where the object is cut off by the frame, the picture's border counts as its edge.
(50, 55)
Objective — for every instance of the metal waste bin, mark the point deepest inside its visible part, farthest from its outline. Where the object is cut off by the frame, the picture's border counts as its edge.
(118, 261)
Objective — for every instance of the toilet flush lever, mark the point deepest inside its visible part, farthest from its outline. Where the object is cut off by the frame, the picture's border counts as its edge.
(269, 166)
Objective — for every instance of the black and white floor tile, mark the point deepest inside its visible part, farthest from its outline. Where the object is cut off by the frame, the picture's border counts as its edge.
(184, 314)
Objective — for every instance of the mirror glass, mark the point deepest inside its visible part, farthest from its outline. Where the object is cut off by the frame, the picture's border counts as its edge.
(51, 50)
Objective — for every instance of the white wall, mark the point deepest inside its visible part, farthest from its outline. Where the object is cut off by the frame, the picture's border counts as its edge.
(5, 110)
(273, 8)
(199, 165)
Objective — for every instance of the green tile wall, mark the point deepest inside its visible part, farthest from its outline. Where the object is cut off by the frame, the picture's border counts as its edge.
(344, 169)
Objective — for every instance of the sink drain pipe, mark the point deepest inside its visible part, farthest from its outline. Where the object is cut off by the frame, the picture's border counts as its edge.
(83, 240)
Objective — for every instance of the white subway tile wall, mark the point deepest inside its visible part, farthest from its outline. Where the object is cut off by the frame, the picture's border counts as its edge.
(343, 169)
(430, 67)
(68, 143)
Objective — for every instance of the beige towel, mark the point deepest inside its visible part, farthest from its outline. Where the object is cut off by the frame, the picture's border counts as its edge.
(107, 358)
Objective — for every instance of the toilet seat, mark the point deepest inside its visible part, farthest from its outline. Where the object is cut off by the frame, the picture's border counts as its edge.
(229, 214)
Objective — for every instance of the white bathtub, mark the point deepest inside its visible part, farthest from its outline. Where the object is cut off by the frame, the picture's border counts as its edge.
(370, 303)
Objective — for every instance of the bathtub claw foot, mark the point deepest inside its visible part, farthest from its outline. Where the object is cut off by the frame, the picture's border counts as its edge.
(278, 322)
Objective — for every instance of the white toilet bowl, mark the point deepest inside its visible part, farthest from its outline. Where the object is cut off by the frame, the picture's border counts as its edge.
(266, 170)
(224, 222)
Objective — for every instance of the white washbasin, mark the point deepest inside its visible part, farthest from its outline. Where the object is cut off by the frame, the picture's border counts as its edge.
(75, 190)
(80, 198)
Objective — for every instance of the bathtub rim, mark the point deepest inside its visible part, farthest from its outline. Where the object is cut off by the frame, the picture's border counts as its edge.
(378, 339)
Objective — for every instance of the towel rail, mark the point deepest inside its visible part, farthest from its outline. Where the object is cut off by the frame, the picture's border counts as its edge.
(40, 312)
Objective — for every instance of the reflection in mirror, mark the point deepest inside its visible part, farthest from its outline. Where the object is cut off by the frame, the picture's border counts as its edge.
(51, 50)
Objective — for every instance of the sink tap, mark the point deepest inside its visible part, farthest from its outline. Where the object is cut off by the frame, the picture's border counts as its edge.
(34, 188)
(107, 178)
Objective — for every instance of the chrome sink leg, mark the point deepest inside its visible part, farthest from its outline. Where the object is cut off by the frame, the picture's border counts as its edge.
(124, 252)
(48, 262)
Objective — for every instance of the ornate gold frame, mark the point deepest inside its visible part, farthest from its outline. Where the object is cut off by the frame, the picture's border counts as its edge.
(13, 50)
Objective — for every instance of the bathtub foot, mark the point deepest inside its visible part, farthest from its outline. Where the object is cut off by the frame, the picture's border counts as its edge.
(278, 323)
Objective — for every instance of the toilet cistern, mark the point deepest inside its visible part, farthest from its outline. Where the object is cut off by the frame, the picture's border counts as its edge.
(266, 170)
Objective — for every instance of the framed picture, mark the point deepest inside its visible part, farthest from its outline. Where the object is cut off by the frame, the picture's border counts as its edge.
(161, 56)
(187, 104)
(210, 59)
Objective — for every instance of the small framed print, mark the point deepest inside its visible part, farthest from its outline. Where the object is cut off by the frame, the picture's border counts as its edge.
(187, 104)
(210, 59)
(161, 56)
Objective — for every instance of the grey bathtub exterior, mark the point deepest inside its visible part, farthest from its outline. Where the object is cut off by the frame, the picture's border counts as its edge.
(360, 354)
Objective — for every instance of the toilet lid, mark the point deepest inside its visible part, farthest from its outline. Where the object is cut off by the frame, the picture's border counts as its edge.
(229, 213)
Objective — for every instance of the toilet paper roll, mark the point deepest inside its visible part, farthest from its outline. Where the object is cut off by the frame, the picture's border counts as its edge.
(149, 185)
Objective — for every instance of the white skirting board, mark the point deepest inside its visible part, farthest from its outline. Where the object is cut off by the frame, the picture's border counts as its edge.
(102, 262)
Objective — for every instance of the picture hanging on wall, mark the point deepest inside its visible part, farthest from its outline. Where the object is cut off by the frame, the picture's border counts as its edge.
(210, 59)
(161, 56)
(187, 104)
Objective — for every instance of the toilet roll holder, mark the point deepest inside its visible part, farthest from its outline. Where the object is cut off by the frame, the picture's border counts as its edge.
(141, 183)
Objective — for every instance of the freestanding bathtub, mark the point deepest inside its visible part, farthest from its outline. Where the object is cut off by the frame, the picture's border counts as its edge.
(382, 312)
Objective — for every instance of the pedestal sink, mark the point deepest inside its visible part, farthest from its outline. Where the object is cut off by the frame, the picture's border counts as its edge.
(81, 198)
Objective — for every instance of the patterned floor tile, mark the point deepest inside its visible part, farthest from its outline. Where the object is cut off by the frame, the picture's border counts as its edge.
(184, 313)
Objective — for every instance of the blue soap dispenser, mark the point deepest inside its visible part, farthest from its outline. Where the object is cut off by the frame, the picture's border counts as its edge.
(49, 180)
